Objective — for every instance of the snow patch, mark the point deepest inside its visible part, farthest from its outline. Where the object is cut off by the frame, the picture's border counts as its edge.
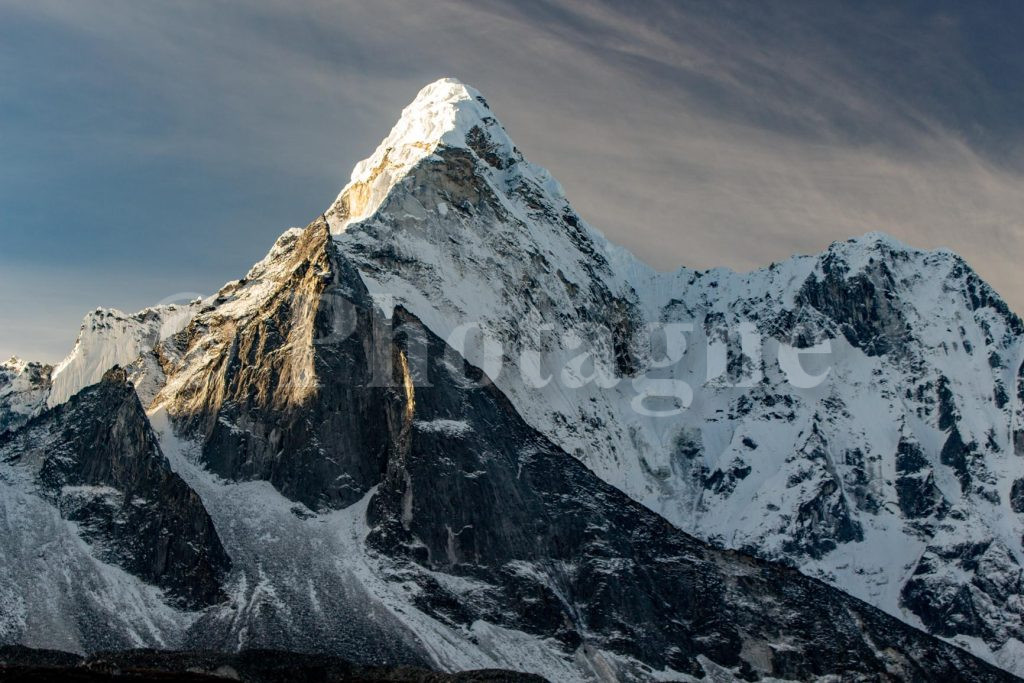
(444, 427)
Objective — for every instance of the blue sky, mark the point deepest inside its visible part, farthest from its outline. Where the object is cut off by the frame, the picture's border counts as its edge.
(153, 150)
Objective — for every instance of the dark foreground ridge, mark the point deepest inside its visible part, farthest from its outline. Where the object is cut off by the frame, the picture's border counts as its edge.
(250, 666)
(98, 460)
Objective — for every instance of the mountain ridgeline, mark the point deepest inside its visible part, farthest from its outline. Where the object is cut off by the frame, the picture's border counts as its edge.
(307, 461)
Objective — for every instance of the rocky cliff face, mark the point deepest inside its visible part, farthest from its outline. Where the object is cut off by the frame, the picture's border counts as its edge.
(97, 460)
(24, 388)
(272, 381)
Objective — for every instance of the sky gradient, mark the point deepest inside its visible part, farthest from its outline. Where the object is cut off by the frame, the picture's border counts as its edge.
(153, 151)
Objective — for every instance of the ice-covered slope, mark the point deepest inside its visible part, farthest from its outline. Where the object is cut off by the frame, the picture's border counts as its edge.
(895, 478)
(109, 337)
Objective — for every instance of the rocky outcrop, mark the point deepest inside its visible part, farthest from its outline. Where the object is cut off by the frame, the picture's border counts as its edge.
(860, 303)
(283, 392)
(918, 495)
(24, 388)
(97, 459)
(947, 605)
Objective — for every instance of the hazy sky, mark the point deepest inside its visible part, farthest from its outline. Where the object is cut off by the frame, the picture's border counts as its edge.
(154, 149)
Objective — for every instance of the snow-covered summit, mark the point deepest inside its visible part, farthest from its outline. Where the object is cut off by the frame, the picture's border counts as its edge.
(442, 113)
(445, 114)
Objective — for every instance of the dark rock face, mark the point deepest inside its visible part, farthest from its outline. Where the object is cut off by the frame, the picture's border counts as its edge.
(949, 606)
(1017, 496)
(860, 305)
(472, 491)
(97, 458)
(824, 520)
(918, 495)
(958, 455)
(252, 666)
(267, 411)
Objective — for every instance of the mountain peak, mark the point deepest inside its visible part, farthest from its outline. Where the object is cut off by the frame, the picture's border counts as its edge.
(17, 365)
(115, 375)
(442, 113)
(445, 113)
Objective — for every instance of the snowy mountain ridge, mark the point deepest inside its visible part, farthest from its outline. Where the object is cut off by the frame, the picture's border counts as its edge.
(109, 337)
(854, 414)
(472, 539)
(921, 354)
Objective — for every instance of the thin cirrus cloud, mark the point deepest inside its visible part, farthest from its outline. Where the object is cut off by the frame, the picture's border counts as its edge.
(151, 149)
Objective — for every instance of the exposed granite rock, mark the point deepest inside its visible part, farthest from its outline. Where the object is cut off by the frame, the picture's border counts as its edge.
(958, 455)
(97, 458)
(860, 305)
(918, 495)
(948, 606)
(1017, 496)
(285, 393)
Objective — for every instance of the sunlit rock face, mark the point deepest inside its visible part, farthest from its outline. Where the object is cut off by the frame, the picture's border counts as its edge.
(275, 384)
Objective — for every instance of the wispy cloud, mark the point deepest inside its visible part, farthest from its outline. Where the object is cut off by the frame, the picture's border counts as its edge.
(177, 139)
